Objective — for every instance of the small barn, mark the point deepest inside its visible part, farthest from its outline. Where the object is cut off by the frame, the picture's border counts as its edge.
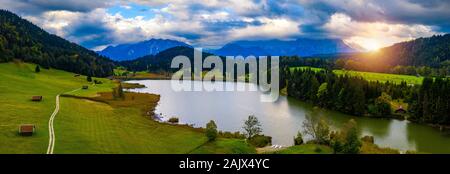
(36, 98)
(85, 87)
(27, 129)
(400, 110)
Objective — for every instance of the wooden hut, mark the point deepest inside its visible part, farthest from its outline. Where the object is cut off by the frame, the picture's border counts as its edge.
(36, 98)
(27, 129)
(85, 87)
(400, 110)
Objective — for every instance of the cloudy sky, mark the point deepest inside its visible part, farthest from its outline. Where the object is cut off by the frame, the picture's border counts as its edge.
(371, 24)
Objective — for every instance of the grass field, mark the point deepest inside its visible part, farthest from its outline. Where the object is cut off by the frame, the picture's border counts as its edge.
(18, 83)
(85, 126)
(371, 76)
(225, 146)
(104, 129)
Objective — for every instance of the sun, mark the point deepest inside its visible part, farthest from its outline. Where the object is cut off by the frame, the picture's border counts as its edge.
(365, 43)
(371, 45)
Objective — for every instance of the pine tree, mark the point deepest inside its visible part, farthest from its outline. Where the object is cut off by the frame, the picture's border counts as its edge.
(37, 69)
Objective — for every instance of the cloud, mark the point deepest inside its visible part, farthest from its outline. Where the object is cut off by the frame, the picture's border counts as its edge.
(41, 6)
(212, 23)
(373, 35)
(430, 12)
(269, 29)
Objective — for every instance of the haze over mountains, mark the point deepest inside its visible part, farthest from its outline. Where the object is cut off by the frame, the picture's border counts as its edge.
(299, 47)
(134, 50)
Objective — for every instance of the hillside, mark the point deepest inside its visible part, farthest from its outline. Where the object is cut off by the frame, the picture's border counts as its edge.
(20, 39)
(431, 52)
(134, 50)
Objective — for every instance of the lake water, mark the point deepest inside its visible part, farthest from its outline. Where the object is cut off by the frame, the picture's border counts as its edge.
(283, 119)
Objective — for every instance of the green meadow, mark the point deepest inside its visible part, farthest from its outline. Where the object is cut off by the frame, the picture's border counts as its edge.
(372, 76)
(18, 83)
(85, 126)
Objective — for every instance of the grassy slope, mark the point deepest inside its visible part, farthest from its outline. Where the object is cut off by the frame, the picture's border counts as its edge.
(91, 127)
(84, 126)
(371, 76)
(18, 83)
(225, 146)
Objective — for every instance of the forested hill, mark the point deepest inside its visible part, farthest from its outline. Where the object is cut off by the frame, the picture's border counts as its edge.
(432, 52)
(160, 61)
(20, 39)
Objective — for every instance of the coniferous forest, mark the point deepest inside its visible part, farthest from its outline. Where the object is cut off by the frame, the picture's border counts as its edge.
(428, 103)
(20, 39)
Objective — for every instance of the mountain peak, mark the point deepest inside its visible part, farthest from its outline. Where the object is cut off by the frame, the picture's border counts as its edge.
(134, 50)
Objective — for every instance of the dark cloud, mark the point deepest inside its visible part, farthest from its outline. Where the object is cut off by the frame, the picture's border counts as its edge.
(90, 34)
(38, 6)
(429, 12)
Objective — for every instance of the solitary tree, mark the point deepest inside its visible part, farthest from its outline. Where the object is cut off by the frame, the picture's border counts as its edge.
(211, 130)
(37, 69)
(317, 128)
(252, 126)
(89, 78)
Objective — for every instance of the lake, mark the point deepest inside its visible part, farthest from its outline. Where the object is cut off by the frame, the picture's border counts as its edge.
(283, 118)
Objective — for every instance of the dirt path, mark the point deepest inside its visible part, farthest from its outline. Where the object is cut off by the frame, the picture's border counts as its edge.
(51, 131)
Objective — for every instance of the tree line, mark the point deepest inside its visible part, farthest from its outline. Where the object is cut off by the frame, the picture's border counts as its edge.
(356, 96)
(431, 104)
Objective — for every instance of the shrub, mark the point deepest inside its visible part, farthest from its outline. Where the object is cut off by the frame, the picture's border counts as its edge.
(337, 141)
(97, 81)
(352, 143)
(89, 78)
(368, 139)
(317, 150)
(347, 139)
(211, 130)
(236, 135)
(37, 69)
(298, 140)
(173, 120)
(260, 140)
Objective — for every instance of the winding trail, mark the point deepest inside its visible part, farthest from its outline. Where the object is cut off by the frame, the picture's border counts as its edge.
(51, 130)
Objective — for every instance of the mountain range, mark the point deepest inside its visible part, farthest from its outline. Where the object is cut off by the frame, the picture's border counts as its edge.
(134, 50)
(299, 47)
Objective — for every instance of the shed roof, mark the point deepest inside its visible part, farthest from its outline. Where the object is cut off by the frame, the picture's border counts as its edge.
(26, 128)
